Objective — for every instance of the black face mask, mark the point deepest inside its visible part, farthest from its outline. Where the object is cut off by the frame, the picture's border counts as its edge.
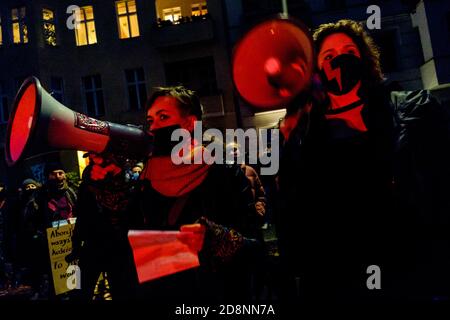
(162, 144)
(345, 72)
(56, 185)
(28, 193)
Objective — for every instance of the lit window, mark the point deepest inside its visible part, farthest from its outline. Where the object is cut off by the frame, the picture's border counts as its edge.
(1, 32)
(19, 27)
(85, 30)
(137, 92)
(49, 27)
(172, 14)
(127, 19)
(57, 88)
(3, 105)
(199, 9)
(92, 87)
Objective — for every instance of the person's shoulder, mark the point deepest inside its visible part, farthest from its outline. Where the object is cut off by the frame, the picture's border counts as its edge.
(72, 193)
(250, 171)
(72, 189)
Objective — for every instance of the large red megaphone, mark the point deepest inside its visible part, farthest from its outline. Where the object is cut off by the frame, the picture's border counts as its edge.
(273, 62)
(41, 124)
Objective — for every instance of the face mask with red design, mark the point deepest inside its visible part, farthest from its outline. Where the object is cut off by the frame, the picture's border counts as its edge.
(341, 74)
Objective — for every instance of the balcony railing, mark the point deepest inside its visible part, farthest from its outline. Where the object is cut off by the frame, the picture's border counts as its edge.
(184, 31)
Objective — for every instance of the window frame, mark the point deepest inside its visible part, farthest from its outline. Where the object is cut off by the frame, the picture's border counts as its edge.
(136, 83)
(83, 23)
(95, 92)
(172, 14)
(61, 93)
(201, 6)
(22, 23)
(52, 22)
(128, 14)
(2, 39)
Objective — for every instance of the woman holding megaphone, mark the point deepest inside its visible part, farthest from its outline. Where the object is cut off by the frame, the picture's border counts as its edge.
(210, 204)
(356, 181)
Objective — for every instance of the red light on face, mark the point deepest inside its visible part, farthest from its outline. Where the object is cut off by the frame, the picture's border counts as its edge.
(22, 123)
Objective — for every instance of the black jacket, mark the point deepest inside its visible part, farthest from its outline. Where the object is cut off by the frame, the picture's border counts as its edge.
(231, 249)
(223, 202)
(343, 201)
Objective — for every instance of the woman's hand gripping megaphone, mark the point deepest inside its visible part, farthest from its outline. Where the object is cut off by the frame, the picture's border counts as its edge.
(103, 166)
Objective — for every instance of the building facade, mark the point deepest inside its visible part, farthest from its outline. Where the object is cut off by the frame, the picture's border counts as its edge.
(106, 65)
(432, 18)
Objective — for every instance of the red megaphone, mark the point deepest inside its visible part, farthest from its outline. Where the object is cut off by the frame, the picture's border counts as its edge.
(41, 124)
(273, 63)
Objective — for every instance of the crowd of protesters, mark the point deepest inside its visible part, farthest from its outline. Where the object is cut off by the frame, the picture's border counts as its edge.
(26, 214)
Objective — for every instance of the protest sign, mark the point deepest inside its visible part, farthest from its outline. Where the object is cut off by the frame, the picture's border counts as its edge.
(65, 276)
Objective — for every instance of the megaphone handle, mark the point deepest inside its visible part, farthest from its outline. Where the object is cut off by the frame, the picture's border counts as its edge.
(128, 141)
